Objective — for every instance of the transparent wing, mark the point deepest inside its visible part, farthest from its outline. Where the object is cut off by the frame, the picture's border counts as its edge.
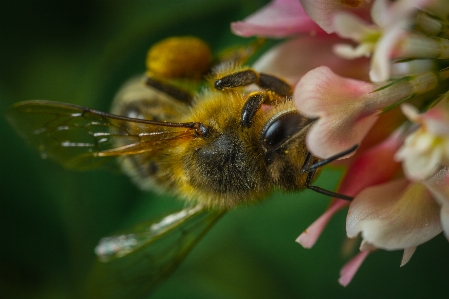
(132, 263)
(77, 137)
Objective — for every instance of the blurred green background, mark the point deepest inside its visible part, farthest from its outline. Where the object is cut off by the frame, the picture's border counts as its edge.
(80, 51)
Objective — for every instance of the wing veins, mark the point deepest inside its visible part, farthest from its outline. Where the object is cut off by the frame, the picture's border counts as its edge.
(75, 136)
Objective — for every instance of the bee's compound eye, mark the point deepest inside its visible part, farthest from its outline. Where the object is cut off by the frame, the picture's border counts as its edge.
(281, 128)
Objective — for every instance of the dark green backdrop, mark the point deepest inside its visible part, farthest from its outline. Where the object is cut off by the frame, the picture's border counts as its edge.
(80, 51)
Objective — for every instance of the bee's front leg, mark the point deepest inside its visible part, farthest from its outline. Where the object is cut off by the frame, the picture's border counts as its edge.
(249, 76)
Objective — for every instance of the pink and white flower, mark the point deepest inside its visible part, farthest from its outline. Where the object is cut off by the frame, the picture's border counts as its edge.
(342, 106)
(391, 210)
(384, 39)
(395, 215)
(398, 215)
(426, 150)
(346, 108)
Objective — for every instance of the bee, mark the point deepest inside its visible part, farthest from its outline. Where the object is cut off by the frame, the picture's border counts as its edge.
(230, 144)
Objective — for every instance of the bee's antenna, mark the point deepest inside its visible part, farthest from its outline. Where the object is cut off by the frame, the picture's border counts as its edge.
(311, 170)
(318, 164)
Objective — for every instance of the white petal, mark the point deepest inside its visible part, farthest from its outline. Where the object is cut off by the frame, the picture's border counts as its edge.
(367, 246)
(384, 14)
(349, 26)
(439, 186)
(445, 220)
(423, 142)
(380, 63)
(410, 111)
(350, 52)
(394, 215)
(420, 167)
(378, 12)
(408, 252)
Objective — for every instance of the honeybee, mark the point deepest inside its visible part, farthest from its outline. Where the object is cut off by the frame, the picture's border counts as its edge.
(230, 144)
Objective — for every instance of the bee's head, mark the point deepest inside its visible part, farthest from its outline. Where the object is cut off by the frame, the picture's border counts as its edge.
(282, 139)
(281, 135)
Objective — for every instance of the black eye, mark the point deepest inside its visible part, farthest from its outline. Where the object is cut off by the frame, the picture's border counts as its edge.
(281, 128)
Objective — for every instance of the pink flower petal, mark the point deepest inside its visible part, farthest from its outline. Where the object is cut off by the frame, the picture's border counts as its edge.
(293, 59)
(322, 11)
(350, 269)
(365, 171)
(344, 118)
(309, 237)
(280, 18)
(394, 215)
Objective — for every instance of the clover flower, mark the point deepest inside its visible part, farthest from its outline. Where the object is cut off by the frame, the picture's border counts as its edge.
(426, 150)
(401, 184)
(397, 215)
(387, 37)
(348, 108)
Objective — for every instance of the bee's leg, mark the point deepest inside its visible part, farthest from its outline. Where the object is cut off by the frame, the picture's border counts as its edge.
(275, 84)
(171, 90)
(250, 76)
(237, 79)
(252, 105)
(311, 170)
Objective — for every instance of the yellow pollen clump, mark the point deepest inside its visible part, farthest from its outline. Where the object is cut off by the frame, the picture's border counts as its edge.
(177, 57)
